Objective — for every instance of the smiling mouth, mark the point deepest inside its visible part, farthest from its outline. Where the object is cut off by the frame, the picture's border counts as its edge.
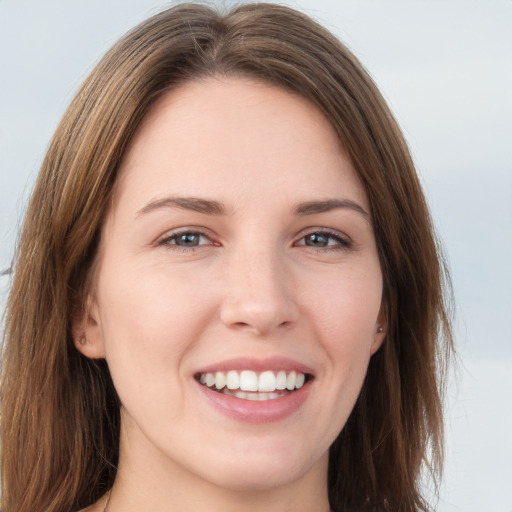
(255, 386)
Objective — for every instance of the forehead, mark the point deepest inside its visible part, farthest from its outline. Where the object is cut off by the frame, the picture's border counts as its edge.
(236, 136)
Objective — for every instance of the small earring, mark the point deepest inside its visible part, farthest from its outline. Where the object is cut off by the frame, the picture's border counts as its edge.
(380, 330)
(82, 341)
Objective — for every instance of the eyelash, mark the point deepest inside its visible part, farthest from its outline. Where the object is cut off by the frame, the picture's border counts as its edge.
(342, 242)
(166, 241)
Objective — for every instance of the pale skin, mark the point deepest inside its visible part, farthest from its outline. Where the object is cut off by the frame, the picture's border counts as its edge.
(238, 229)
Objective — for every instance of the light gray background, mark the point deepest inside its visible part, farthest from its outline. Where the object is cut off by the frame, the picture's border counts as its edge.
(446, 69)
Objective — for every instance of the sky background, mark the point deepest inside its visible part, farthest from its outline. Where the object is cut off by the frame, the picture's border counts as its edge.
(445, 68)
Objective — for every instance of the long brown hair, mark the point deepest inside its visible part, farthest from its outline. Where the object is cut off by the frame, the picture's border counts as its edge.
(60, 412)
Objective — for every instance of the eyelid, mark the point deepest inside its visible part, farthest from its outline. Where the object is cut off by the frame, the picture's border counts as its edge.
(165, 239)
(344, 241)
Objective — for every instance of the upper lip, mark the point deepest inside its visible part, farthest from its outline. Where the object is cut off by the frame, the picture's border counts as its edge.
(275, 363)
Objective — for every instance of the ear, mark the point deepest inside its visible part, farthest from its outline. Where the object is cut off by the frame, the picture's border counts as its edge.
(87, 332)
(381, 327)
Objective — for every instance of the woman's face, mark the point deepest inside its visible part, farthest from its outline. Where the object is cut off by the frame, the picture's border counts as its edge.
(238, 254)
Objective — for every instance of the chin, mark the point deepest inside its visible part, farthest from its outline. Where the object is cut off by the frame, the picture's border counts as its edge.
(256, 479)
(264, 470)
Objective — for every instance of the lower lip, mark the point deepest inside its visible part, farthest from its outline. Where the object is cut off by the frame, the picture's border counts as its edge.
(248, 411)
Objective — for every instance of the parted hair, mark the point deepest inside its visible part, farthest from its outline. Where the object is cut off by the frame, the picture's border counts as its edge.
(59, 410)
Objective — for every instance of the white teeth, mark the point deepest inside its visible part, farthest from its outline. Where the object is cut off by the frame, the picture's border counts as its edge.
(210, 379)
(220, 380)
(248, 381)
(232, 380)
(265, 383)
(290, 381)
(260, 397)
(281, 380)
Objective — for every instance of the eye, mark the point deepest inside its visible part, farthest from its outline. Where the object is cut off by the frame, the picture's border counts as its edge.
(186, 240)
(325, 240)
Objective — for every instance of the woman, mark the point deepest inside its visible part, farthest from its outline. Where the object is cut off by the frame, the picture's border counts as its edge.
(227, 293)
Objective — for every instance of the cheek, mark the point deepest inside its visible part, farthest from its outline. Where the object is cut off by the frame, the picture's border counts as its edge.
(148, 324)
(156, 305)
(347, 308)
(345, 316)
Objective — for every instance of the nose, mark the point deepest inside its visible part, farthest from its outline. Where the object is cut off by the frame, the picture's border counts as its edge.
(259, 294)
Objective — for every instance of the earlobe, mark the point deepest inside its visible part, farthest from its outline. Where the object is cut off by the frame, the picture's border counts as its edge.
(380, 331)
(87, 333)
(378, 339)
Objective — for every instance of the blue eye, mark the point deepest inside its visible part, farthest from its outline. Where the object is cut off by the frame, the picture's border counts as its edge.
(186, 240)
(317, 240)
(324, 240)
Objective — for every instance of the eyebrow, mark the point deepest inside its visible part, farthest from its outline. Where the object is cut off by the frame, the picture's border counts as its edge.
(212, 207)
(206, 206)
(314, 207)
